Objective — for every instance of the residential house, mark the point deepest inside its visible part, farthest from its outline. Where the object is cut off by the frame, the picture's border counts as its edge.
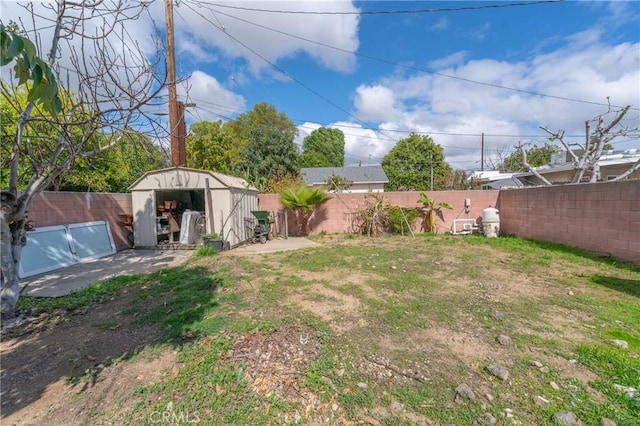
(561, 169)
(495, 179)
(364, 178)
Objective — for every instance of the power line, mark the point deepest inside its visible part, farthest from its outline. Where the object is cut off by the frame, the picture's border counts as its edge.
(292, 77)
(412, 67)
(385, 12)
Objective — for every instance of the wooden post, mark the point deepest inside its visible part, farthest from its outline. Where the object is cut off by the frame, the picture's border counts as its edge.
(174, 113)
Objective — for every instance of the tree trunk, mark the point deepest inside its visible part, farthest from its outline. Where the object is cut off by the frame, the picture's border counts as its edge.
(305, 216)
(13, 238)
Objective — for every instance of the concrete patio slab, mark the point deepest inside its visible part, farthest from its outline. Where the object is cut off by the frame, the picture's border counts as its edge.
(73, 278)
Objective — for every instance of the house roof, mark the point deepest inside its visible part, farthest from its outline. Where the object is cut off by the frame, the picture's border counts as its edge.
(511, 182)
(627, 157)
(489, 175)
(356, 174)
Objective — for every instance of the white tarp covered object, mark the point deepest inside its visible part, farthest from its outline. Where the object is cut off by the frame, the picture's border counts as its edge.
(53, 247)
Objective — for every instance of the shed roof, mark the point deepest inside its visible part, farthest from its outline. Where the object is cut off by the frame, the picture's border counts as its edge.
(356, 174)
(187, 178)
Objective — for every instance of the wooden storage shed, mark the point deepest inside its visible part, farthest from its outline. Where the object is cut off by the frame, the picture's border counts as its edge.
(161, 198)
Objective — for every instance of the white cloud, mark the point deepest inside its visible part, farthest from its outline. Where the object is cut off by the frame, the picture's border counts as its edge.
(376, 103)
(584, 68)
(439, 25)
(207, 30)
(448, 61)
(214, 102)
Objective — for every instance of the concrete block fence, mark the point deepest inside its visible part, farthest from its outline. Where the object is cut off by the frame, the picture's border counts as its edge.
(603, 217)
(338, 213)
(65, 208)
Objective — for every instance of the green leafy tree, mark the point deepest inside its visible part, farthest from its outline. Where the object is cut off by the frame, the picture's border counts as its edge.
(264, 138)
(268, 153)
(29, 69)
(116, 169)
(303, 201)
(414, 162)
(212, 146)
(262, 116)
(112, 170)
(323, 148)
(536, 156)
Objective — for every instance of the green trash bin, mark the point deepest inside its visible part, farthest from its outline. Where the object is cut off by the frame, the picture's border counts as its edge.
(262, 231)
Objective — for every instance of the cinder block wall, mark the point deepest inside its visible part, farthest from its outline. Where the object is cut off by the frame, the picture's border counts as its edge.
(602, 217)
(63, 208)
(337, 214)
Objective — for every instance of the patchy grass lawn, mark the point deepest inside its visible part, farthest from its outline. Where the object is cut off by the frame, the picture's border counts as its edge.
(356, 331)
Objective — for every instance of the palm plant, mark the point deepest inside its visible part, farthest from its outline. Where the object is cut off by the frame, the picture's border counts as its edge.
(303, 200)
(432, 211)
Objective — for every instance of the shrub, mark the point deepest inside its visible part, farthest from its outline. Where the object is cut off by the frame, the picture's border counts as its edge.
(401, 219)
(372, 219)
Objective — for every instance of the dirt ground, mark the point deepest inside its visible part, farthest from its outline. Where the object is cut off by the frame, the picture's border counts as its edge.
(45, 370)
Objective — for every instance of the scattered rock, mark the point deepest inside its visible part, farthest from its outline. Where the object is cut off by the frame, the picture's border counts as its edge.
(537, 364)
(544, 369)
(573, 361)
(508, 413)
(394, 267)
(554, 385)
(489, 419)
(565, 418)
(463, 391)
(620, 343)
(570, 293)
(497, 315)
(362, 385)
(397, 406)
(500, 371)
(334, 407)
(540, 400)
(626, 389)
(607, 422)
(505, 340)
(489, 397)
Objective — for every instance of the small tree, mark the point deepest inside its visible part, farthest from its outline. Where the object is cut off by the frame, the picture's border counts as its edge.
(432, 211)
(372, 219)
(303, 200)
(337, 183)
(110, 83)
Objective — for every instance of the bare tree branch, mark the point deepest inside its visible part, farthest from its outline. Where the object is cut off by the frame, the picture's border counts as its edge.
(528, 166)
(110, 82)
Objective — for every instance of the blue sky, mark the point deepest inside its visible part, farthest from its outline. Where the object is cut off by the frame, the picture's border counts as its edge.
(435, 73)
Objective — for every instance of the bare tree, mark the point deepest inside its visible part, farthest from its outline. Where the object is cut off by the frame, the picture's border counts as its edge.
(495, 160)
(108, 81)
(586, 158)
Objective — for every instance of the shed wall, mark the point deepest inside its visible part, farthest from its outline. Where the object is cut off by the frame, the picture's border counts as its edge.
(144, 217)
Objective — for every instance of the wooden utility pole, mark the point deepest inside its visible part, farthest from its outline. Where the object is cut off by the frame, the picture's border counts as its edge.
(176, 112)
(482, 154)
